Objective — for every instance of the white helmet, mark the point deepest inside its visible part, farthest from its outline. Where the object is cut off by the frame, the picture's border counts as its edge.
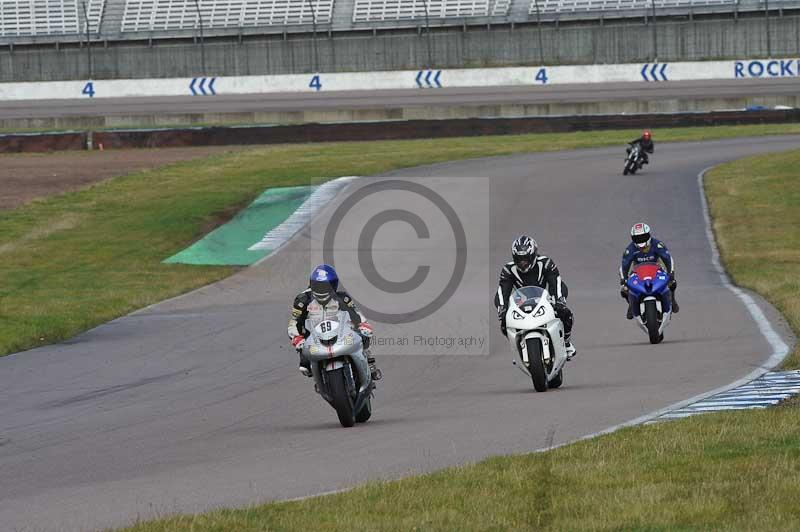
(640, 234)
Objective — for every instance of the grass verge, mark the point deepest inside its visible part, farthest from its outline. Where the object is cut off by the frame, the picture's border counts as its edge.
(755, 205)
(728, 471)
(76, 260)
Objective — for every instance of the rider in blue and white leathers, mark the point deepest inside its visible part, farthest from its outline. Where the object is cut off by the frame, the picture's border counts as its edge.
(644, 248)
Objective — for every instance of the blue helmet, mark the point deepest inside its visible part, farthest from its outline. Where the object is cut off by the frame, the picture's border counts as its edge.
(323, 283)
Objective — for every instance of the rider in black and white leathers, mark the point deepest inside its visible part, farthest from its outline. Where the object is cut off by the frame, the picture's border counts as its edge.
(541, 272)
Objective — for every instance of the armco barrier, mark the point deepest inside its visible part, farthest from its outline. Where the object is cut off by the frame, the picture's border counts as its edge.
(389, 130)
(209, 87)
(414, 129)
(43, 142)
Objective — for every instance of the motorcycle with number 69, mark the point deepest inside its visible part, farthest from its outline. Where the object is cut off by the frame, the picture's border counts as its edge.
(340, 368)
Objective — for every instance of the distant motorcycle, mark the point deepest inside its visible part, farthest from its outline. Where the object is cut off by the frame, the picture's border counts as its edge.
(634, 161)
(537, 337)
(340, 368)
(650, 299)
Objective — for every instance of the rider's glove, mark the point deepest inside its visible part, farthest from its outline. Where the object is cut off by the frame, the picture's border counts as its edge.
(365, 329)
(298, 341)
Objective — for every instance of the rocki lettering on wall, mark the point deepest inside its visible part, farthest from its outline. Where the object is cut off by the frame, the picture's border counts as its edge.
(776, 68)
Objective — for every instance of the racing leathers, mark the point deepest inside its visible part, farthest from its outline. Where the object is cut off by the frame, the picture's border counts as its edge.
(544, 274)
(656, 253)
(647, 147)
(305, 307)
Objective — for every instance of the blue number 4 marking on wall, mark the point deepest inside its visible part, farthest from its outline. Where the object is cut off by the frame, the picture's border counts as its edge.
(88, 90)
(315, 83)
(542, 76)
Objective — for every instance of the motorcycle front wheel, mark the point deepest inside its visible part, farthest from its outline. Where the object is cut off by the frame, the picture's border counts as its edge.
(651, 321)
(366, 411)
(558, 380)
(342, 402)
(536, 364)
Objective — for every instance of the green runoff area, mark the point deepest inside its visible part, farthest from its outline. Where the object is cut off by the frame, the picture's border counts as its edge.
(76, 260)
(229, 244)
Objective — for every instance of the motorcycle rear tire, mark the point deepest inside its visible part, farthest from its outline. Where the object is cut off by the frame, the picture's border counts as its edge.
(366, 411)
(651, 321)
(558, 380)
(536, 365)
(342, 402)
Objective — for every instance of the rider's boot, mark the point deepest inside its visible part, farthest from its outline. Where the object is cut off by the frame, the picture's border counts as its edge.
(571, 351)
(305, 366)
(374, 370)
(629, 315)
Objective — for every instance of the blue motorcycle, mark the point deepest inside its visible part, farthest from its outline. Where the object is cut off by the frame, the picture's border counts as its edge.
(650, 299)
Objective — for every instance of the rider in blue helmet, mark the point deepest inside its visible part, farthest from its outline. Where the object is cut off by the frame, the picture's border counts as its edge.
(323, 300)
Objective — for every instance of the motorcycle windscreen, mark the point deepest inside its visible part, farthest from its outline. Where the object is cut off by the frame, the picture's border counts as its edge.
(527, 296)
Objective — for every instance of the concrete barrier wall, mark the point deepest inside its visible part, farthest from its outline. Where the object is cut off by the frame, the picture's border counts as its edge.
(404, 79)
(585, 43)
(410, 129)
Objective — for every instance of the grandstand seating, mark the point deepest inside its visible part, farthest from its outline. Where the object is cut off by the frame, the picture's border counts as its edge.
(150, 15)
(43, 20)
(47, 17)
(573, 6)
(379, 10)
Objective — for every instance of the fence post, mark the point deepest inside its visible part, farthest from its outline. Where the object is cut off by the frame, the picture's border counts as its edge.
(428, 35)
(539, 30)
(314, 36)
(90, 66)
(769, 41)
(202, 42)
(655, 33)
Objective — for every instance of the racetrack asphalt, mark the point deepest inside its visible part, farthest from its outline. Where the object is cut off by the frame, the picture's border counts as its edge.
(196, 402)
(717, 90)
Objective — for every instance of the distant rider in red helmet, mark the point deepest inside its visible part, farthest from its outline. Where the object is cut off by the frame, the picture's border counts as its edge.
(646, 142)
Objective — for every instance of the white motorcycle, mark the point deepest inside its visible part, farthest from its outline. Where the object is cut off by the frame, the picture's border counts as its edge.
(340, 368)
(537, 335)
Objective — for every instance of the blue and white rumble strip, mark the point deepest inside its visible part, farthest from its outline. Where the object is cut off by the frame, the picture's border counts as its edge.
(767, 390)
